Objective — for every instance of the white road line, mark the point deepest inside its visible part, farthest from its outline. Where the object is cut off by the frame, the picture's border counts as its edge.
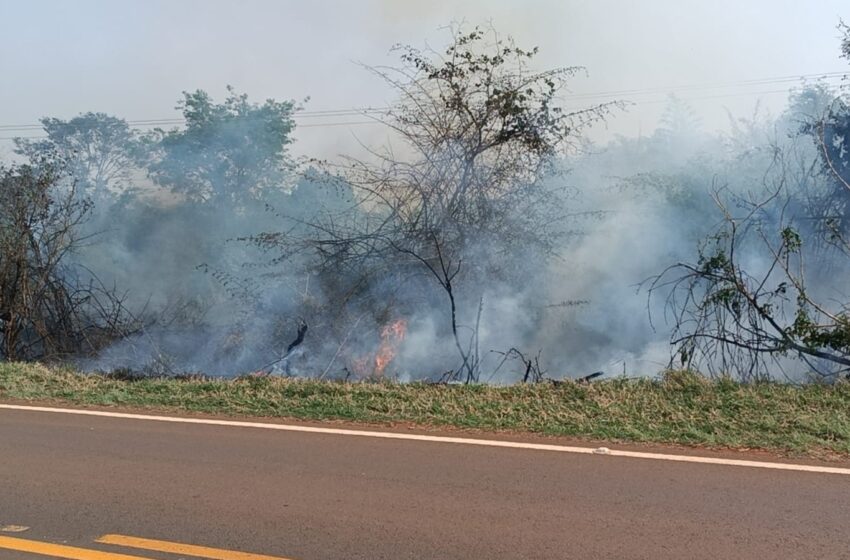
(443, 439)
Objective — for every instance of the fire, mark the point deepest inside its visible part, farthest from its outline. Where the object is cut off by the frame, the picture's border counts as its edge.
(374, 365)
(391, 336)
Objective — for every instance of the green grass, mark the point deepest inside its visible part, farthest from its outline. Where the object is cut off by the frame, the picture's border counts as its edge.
(679, 408)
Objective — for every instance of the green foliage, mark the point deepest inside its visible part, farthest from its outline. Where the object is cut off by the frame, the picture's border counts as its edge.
(484, 86)
(229, 151)
(834, 335)
(95, 148)
(715, 263)
(791, 239)
(735, 316)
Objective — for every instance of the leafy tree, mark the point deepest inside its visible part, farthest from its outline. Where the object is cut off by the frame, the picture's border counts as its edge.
(96, 148)
(229, 152)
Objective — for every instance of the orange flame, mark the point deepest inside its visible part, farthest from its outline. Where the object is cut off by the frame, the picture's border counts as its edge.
(391, 336)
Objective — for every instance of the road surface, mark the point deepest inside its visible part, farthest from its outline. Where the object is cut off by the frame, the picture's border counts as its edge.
(96, 488)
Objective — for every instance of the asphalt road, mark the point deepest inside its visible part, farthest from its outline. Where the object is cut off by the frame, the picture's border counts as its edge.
(72, 479)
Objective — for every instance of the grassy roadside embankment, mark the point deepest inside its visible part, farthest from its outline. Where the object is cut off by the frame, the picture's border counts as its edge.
(680, 408)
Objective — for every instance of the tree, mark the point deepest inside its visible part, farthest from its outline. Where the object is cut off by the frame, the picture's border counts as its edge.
(47, 308)
(749, 305)
(766, 292)
(830, 131)
(227, 152)
(468, 195)
(831, 136)
(96, 148)
(679, 123)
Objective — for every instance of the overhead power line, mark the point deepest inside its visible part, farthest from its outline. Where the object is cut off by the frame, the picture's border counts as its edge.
(633, 95)
(181, 120)
(315, 125)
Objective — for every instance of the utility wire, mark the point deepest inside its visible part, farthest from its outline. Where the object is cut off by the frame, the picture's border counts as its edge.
(314, 125)
(180, 120)
(601, 95)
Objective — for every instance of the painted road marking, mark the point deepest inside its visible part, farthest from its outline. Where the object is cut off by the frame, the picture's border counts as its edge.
(61, 551)
(181, 548)
(443, 439)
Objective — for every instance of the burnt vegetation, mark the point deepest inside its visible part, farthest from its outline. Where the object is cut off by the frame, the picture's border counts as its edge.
(486, 240)
(463, 197)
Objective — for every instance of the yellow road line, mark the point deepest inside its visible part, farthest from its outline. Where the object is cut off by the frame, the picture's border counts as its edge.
(181, 548)
(61, 551)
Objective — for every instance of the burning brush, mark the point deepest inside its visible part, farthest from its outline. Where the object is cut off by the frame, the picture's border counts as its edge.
(391, 336)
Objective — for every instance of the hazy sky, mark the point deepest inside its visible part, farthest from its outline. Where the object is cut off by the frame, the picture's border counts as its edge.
(132, 58)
